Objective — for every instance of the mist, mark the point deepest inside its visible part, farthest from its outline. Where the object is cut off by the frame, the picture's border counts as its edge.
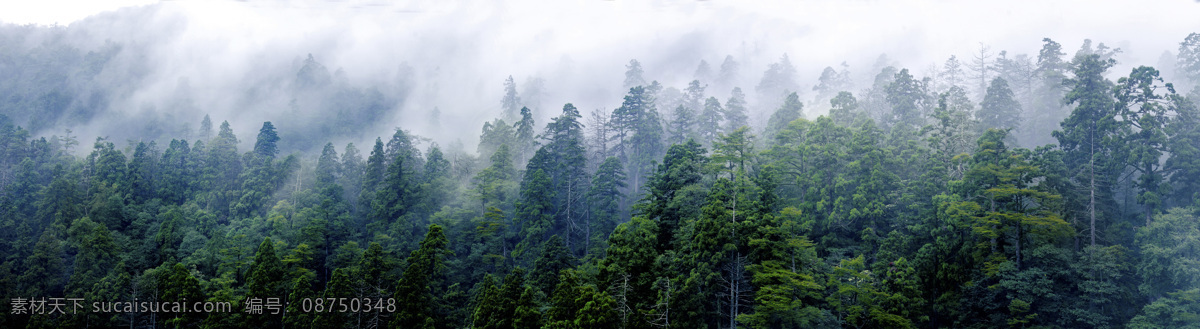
(166, 65)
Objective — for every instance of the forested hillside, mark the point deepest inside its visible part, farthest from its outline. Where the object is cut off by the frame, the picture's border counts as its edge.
(1024, 191)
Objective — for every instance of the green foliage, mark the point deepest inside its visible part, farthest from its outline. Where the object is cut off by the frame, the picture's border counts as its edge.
(791, 110)
(908, 99)
(417, 294)
(857, 299)
(1177, 310)
(266, 280)
(265, 146)
(1088, 136)
(735, 111)
(844, 110)
(1169, 262)
(605, 199)
(554, 259)
(930, 221)
(1145, 115)
(999, 109)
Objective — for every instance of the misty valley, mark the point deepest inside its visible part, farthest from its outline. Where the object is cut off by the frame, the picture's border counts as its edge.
(1055, 188)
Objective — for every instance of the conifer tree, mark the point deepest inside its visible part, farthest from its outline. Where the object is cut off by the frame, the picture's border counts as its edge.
(1087, 136)
(417, 298)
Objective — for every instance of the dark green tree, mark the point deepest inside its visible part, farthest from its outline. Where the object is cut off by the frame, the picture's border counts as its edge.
(417, 301)
(266, 279)
(1144, 116)
(605, 199)
(265, 146)
(735, 111)
(1088, 136)
(791, 110)
(511, 102)
(999, 109)
(554, 258)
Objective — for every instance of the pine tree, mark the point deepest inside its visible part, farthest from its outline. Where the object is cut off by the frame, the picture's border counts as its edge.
(952, 72)
(682, 126)
(264, 146)
(534, 213)
(735, 111)
(633, 74)
(708, 123)
(982, 67)
(400, 191)
(416, 296)
(783, 273)
(181, 286)
(999, 109)
(605, 199)
(703, 71)
(827, 84)
(495, 184)
(525, 143)
(1087, 136)
(729, 74)
(143, 172)
(637, 131)
(206, 128)
(844, 111)
(1145, 116)
(371, 178)
(907, 98)
(791, 110)
(266, 280)
(1183, 144)
(223, 167)
(487, 304)
(1048, 107)
(511, 102)
(578, 305)
(672, 195)
(176, 173)
(1012, 209)
(778, 81)
(496, 133)
(554, 258)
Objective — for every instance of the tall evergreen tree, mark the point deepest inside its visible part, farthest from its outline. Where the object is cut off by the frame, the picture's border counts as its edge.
(206, 128)
(633, 74)
(1144, 116)
(682, 125)
(605, 199)
(729, 74)
(1183, 142)
(1087, 136)
(417, 298)
(777, 82)
(999, 109)
(844, 111)
(637, 131)
(735, 111)
(511, 101)
(554, 258)
(525, 143)
(708, 123)
(266, 279)
(791, 110)
(265, 146)
(1048, 108)
(907, 98)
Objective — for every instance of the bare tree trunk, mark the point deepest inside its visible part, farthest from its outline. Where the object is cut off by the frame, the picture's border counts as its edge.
(1092, 190)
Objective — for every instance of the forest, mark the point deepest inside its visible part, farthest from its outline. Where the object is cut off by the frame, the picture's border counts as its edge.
(1000, 190)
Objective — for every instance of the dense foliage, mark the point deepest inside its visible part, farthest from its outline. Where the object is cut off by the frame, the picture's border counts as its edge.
(910, 205)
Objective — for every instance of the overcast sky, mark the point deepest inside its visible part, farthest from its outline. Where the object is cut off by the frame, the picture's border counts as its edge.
(580, 47)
